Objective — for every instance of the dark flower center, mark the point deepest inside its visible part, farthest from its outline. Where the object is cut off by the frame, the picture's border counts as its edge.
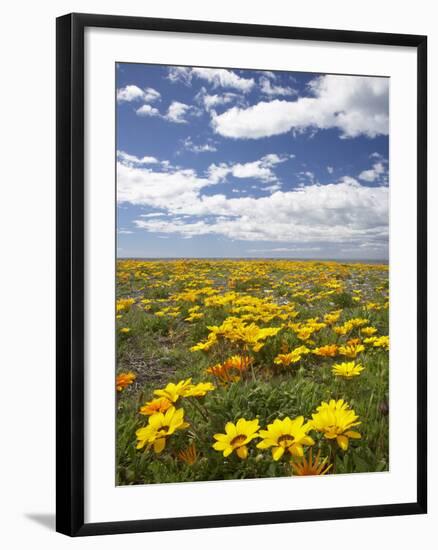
(238, 440)
(286, 438)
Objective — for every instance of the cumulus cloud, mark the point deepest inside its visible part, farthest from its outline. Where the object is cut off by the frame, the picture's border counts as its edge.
(284, 249)
(355, 105)
(341, 212)
(208, 147)
(269, 89)
(180, 74)
(177, 111)
(260, 169)
(378, 172)
(223, 78)
(166, 190)
(210, 101)
(147, 110)
(306, 177)
(133, 160)
(152, 215)
(134, 93)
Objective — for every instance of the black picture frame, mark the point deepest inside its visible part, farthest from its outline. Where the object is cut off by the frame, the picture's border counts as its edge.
(70, 272)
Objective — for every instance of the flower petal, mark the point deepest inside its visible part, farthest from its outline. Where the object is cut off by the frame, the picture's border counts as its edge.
(353, 435)
(277, 453)
(242, 452)
(342, 442)
(159, 444)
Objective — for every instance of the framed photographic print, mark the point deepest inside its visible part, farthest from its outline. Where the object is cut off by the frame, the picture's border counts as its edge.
(241, 274)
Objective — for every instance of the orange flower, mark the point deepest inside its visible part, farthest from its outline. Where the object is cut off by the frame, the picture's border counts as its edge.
(238, 362)
(354, 342)
(156, 405)
(189, 455)
(311, 467)
(222, 373)
(330, 350)
(124, 380)
(230, 370)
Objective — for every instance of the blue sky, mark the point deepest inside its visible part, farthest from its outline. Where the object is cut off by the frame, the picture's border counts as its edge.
(244, 163)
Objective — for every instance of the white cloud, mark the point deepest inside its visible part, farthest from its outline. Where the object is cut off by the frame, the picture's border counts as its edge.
(272, 188)
(177, 111)
(330, 169)
(165, 190)
(260, 169)
(223, 78)
(355, 105)
(134, 93)
(341, 212)
(269, 89)
(268, 74)
(284, 249)
(151, 95)
(307, 177)
(147, 110)
(209, 101)
(125, 232)
(152, 215)
(132, 159)
(373, 174)
(207, 147)
(180, 74)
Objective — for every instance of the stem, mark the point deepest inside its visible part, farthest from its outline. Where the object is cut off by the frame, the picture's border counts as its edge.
(197, 406)
(248, 359)
(333, 448)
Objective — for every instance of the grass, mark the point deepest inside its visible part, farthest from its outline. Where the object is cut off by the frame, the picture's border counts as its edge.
(165, 309)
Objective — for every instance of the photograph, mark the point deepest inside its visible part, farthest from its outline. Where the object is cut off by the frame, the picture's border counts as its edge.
(252, 274)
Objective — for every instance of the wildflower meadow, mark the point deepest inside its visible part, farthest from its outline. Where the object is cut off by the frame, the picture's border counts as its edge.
(233, 369)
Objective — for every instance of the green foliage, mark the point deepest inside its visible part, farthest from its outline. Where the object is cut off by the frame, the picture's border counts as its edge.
(157, 350)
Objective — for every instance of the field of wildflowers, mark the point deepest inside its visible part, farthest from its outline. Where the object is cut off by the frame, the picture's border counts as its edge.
(247, 369)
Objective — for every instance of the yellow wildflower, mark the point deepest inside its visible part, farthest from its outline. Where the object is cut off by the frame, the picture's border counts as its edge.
(236, 437)
(335, 420)
(199, 390)
(368, 331)
(173, 392)
(351, 350)
(286, 435)
(330, 350)
(347, 370)
(160, 427)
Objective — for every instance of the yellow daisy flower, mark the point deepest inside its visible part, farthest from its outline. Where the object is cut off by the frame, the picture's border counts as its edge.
(160, 427)
(173, 392)
(236, 437)
(335, 420)
(286, 435)
(347, 370)
(351, 351)
(199, 390)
